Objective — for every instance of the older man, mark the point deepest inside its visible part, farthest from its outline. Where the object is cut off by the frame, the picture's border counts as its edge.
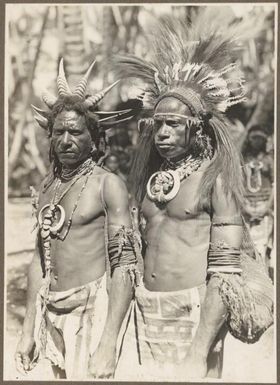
(82, 217)
(187, 179)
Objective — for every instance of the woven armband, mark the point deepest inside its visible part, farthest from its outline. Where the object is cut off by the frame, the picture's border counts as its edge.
(248, 298)
(227, 221)
(223, 258)
(122, 254)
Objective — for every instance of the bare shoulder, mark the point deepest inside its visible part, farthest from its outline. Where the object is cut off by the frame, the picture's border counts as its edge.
(115, 191)
(114, 184)
(100, 175)
(98, 172)
(223, 204)
(97, 176)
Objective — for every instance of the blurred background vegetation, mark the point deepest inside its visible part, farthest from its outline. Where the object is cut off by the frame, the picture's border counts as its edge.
(38, 35)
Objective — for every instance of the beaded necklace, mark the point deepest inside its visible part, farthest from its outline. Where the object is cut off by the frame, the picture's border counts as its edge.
(68, 174)
(164, 185)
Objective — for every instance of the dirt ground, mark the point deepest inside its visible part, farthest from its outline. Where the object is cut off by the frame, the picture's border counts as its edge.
(242, 362)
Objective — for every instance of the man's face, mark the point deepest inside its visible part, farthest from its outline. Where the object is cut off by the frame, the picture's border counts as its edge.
(112, 163)
(257, 142)
(71, 139)
(170, 137)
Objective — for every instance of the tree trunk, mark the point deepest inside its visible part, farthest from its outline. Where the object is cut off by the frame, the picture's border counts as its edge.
(27, 92)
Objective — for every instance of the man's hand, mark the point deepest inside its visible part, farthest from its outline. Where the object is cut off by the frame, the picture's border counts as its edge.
(102, 363)
(23, 354)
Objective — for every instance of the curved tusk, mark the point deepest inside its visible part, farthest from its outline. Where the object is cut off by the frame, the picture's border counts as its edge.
(81, 87)
(93, 100)
(112, 116)
(108, 117)
(43, 122)
(49, 99)
(44, 113)
(62, 85)
(112, 112)
(109, 124)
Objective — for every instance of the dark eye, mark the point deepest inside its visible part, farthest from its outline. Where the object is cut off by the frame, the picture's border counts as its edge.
(172, 123)
(57, 132)
(75, 132)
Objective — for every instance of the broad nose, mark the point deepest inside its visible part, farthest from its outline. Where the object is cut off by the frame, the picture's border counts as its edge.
(65, 140)
(163, 133)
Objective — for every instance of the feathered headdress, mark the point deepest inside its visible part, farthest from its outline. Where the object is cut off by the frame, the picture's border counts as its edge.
(105, 118)
(195, 63)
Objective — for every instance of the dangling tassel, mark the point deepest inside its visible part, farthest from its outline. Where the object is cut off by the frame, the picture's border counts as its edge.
(203, 145)
(41, 334)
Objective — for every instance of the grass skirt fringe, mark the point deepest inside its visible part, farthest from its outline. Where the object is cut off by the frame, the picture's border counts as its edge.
(249, 299)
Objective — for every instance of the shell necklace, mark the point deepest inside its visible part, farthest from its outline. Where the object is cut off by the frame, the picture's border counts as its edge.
(164, 185)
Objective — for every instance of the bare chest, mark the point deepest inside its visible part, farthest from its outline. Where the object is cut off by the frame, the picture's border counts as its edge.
(80, 201)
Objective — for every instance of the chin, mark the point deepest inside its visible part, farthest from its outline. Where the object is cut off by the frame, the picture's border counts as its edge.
(69, 162)
(164, 154)
(169, 155)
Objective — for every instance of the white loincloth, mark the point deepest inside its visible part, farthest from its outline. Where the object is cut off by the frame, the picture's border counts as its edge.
(75, 320)
(159, 332)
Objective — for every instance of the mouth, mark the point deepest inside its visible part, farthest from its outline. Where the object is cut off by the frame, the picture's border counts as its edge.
(164, 145)
(67, 153)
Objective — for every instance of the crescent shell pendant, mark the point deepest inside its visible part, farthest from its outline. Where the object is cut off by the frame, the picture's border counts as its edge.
(172, 193)
(53, 229)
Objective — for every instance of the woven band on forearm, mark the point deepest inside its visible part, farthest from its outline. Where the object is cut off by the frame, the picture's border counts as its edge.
(235, 220)
(121, 249)
(223, 259)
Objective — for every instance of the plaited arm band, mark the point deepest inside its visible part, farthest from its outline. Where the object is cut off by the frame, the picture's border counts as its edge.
(223, 258)
(122, 253)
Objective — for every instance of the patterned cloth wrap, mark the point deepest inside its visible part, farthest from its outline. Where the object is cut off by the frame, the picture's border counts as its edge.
(71, 327)
(160, 330)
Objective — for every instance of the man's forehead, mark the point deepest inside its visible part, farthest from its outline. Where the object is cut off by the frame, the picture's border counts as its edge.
(66, 118)
(170, 117)
(173, 106)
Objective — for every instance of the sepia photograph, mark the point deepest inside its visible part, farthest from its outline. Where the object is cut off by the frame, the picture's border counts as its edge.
(139, 192)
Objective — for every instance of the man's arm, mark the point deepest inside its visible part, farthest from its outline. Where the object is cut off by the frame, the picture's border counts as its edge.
(102, 363)
(213, 310)
(26, 345)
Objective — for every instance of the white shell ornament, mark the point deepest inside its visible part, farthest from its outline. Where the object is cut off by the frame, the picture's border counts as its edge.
(58, 226)
(165, 186)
